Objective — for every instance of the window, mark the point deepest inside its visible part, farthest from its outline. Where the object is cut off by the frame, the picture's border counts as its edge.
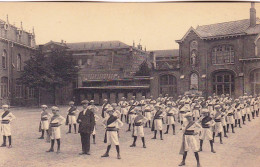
(19, 62)
(194, 81)
(223, 54)
(223, 83)
(4, 59)
(30, 92)
(18, 91)
(168, 85)
(4, 87)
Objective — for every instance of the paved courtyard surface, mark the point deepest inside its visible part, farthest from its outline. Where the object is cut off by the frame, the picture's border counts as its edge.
(239, 150)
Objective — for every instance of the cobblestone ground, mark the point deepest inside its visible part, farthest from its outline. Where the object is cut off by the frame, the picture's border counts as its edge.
(239, 150)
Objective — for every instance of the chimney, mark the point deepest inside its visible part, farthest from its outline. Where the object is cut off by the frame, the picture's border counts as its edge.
(61, 41)
(133, 43)
(252, 15)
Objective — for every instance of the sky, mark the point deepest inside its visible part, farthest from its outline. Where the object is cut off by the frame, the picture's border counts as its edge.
(156, 25)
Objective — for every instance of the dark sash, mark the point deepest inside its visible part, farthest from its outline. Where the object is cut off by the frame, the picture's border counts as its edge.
(217, 114)
(130, 109)
(5, 114)
(103, 110)
(181, 106)
(182, 150)
(204, 122)
(156, 116)
(110, 120)
(73, 108)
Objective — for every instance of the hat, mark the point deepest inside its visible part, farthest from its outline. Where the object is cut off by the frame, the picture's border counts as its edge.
(54, 108)
(109, 109)
(204, 110)
(123, 98)
(188, 114)
(153, 102)
(71, 103)
(105, 100)
(5, 106)
(92, 101)
(44, 106)
(168, 103)
(84, 102)
(217, 106)
(113, 104)
(157, 105)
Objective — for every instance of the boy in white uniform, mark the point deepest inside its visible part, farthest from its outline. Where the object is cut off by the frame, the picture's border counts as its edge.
(112, 123)
(139, 121)
(123, 108)
(188, 139)
(44, 123)
(157, 120)
(171, 112)
(54, 131)
(142, 104)
(6, 118)
(230, 115)
(71, 117)
(148, 108)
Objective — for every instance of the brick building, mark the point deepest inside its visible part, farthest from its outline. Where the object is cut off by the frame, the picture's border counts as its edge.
(16, 46)
(217, 58)
(107, 70)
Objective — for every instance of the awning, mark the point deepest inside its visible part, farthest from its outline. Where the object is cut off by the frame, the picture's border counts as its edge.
(115, 87)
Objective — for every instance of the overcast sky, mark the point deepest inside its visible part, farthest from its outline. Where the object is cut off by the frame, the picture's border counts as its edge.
(158, 25)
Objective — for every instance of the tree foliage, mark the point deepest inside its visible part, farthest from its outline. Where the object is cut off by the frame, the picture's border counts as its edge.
(144, 70)
(49, 71)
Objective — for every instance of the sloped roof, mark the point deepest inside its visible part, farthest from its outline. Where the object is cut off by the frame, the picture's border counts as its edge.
(166, 53)
(239, 27)
(97, 45)
(223, 29)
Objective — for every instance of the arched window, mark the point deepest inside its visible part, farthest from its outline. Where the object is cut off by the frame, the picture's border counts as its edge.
(168, 85)
(19, 62)
(4, 87)
(4, 59)
(223, 54)
(194, 81)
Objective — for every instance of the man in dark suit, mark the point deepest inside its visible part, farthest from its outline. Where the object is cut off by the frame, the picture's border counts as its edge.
(86, 122)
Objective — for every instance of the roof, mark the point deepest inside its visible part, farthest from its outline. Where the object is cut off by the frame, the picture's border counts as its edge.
(98, 77)
(239, 27)
(97, 45)
(226, 28)
(166, 53)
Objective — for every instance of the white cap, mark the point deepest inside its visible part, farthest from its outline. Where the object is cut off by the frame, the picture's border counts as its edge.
(55, 108)
(44, 106)
(5, 106)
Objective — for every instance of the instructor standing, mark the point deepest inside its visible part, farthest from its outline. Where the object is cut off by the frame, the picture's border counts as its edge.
(86, 122)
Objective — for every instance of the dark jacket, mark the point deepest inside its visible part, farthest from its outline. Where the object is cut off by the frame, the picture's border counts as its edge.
(87, 121)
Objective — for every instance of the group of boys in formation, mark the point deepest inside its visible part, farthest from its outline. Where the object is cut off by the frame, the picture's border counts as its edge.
(198, 116)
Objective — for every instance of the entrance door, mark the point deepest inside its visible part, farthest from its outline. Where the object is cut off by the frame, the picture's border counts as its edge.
(223, 83)
(168, 85)
(255, 81)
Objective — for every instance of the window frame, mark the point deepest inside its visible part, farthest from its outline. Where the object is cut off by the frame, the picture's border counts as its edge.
(4, 59)
(223, 54)
(19, 62)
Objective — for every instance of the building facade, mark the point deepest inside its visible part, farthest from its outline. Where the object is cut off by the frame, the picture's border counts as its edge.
(107, 71)
(16, 46)
(220, 58)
